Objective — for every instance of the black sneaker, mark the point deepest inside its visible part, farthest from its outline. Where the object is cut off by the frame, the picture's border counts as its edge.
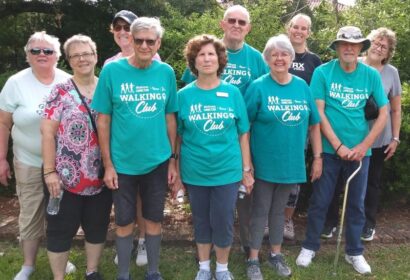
(368, 234)
(327, 232)
(93, 276)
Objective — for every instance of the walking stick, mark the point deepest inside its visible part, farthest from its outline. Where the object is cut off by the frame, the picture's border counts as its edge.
(339, 236)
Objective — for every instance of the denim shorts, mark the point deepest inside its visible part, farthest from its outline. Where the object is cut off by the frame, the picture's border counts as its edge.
(152, 188)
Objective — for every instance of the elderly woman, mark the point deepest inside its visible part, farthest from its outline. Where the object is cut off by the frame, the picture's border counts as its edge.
(72, 161)
(21, 100)
(281, 111)
(215, 157)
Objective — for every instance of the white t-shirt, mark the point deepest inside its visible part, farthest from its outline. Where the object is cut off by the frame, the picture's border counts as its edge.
(23, 96)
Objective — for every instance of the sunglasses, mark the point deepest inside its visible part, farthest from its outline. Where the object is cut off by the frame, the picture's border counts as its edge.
(149, 42)
(37, 51)
(351, 36)
(232, 21)
(118, 27)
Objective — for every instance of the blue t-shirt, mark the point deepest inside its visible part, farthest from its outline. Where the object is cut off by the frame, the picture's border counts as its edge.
(280, 116)
(244, 66)
(210, 123)
(345, 96)
(138, 101)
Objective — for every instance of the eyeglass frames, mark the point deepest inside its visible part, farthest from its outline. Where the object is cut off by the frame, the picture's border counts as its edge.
(37, 51)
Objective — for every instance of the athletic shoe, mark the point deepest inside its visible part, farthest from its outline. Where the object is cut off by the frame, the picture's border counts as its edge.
(327, 232)
(153, 276)
(70, 268)
(203, 275)
(224, 275)
(93, 276)
(305, 257)
(24, 273)
(359, 264)
(289, 230)
(141, 255)
(368, 234)
(253, 270)
(279, 264)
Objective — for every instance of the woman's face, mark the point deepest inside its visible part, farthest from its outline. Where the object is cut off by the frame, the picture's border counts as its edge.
(41, 56)
(82, 59)
(298, 32)
(122, 33)
(279, 61)
(379, 49)
(206, 61)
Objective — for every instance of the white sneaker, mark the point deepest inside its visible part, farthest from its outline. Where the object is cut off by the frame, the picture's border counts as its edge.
(141, 255)
(305, 257)
(359, 264)
(70, 268)
(116, 259)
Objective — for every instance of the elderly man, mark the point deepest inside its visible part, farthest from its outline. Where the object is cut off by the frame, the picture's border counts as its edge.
(245, 64)
(341, 89)
(136, 101)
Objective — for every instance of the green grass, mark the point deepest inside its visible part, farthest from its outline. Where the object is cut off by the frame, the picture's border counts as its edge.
(177, 262)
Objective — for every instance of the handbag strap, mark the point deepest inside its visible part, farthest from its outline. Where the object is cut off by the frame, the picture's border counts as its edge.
(86, 107)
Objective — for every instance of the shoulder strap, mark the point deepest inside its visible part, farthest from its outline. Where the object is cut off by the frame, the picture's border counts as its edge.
(86, 106)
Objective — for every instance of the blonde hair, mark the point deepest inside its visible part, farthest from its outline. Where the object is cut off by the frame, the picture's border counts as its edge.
(79, 38)
(384, 32)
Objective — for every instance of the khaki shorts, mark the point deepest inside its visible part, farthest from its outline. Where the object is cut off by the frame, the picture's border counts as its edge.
(29, 188)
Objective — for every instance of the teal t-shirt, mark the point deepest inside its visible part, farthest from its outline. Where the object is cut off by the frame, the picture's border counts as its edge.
(345, 96)
(244, 66)
(280, 116)
(138, 101)
(210, 123)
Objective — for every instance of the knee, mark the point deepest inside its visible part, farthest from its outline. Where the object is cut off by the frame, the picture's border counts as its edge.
(123, 231)
(152, 228)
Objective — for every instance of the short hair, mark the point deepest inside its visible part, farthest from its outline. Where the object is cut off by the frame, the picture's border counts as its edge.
(194, 46)
(238, 8)
(384, 32)
(43, 36)
(292, 21)
(280, 42)
(79, 38)
(146, 23)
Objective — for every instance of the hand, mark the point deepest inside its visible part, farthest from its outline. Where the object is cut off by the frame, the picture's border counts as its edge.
(358, 152)
(175, 187)
(390, 150)
(172, 172)
(248, 181)
(53, 183)
(343, 152)
(111, 178)
(316, 170)
(5, 172)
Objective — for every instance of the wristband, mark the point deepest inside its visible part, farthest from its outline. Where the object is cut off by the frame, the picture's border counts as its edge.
(247, 169)
(396, 139)
(48, 173)
(341, 144)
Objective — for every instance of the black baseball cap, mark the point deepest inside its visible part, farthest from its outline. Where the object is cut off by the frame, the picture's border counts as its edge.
(125, 15)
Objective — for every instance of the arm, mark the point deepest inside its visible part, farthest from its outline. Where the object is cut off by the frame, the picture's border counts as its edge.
(316, 143)
(104, 132)
(395, 103)
(6, 121)
(49, 130)
(247, 168)
(172, 135)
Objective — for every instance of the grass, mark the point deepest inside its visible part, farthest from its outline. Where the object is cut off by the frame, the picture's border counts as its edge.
(177, 262)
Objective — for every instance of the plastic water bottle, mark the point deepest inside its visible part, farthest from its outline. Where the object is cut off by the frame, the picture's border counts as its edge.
(53, 205)
(241, 191)
(180, 196)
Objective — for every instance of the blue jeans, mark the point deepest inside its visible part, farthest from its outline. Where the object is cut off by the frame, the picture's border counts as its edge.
(323, 190)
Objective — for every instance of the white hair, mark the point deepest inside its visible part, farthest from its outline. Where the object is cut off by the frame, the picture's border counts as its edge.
(43, 36)
(280, 42)
(144, 23)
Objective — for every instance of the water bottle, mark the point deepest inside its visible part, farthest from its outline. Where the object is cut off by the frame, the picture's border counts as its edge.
(53, 205)
(241, 191)
(180, 196)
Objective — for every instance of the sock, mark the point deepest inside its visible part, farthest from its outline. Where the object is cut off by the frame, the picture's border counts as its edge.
(205, 265)
(153, 246)
(141, 241)
(24, 273)
(221, 267)
(124, 250)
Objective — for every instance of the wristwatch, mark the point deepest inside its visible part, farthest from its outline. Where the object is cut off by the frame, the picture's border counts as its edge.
(174, 156)
(396, 139)
(247, 169)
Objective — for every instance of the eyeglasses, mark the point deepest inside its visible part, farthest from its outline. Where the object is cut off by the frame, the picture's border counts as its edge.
(118, 27)
(281, 54)
(149, 42)
(377, 45)
(37, 51)
(241, 22)
(78, 56)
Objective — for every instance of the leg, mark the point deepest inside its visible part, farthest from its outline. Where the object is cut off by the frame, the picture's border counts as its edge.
(332, 216)
(58, 262)
(243, 207)
(140, 219)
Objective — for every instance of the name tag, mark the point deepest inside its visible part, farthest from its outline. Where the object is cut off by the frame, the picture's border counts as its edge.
(221, 94)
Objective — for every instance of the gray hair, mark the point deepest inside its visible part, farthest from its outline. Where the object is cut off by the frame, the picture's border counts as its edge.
(146, 23)
(292, 21)
(82, 39)
(280, 42)
(237, 8)
(384, 32)
(43, 36)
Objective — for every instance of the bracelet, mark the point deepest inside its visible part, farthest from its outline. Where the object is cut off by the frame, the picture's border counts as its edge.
(341, 144)
(247, 169)
(396, 139)
(48, 173)
(317, 156)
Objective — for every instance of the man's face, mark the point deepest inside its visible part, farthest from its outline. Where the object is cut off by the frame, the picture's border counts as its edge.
(348, 52)
(146, 45)
(235, 26)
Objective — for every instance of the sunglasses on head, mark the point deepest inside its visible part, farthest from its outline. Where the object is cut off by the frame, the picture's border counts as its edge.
(149, 42)
(351, 36)
(37, 51)
(118, 27)
(241, 22)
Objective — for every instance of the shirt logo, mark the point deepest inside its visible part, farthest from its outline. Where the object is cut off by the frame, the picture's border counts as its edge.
(289, 112)
(349, 98)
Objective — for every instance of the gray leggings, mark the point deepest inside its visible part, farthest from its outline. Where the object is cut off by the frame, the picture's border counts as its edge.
(269, 200)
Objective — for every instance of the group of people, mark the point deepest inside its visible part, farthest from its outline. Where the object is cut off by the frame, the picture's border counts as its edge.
(243, 118)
